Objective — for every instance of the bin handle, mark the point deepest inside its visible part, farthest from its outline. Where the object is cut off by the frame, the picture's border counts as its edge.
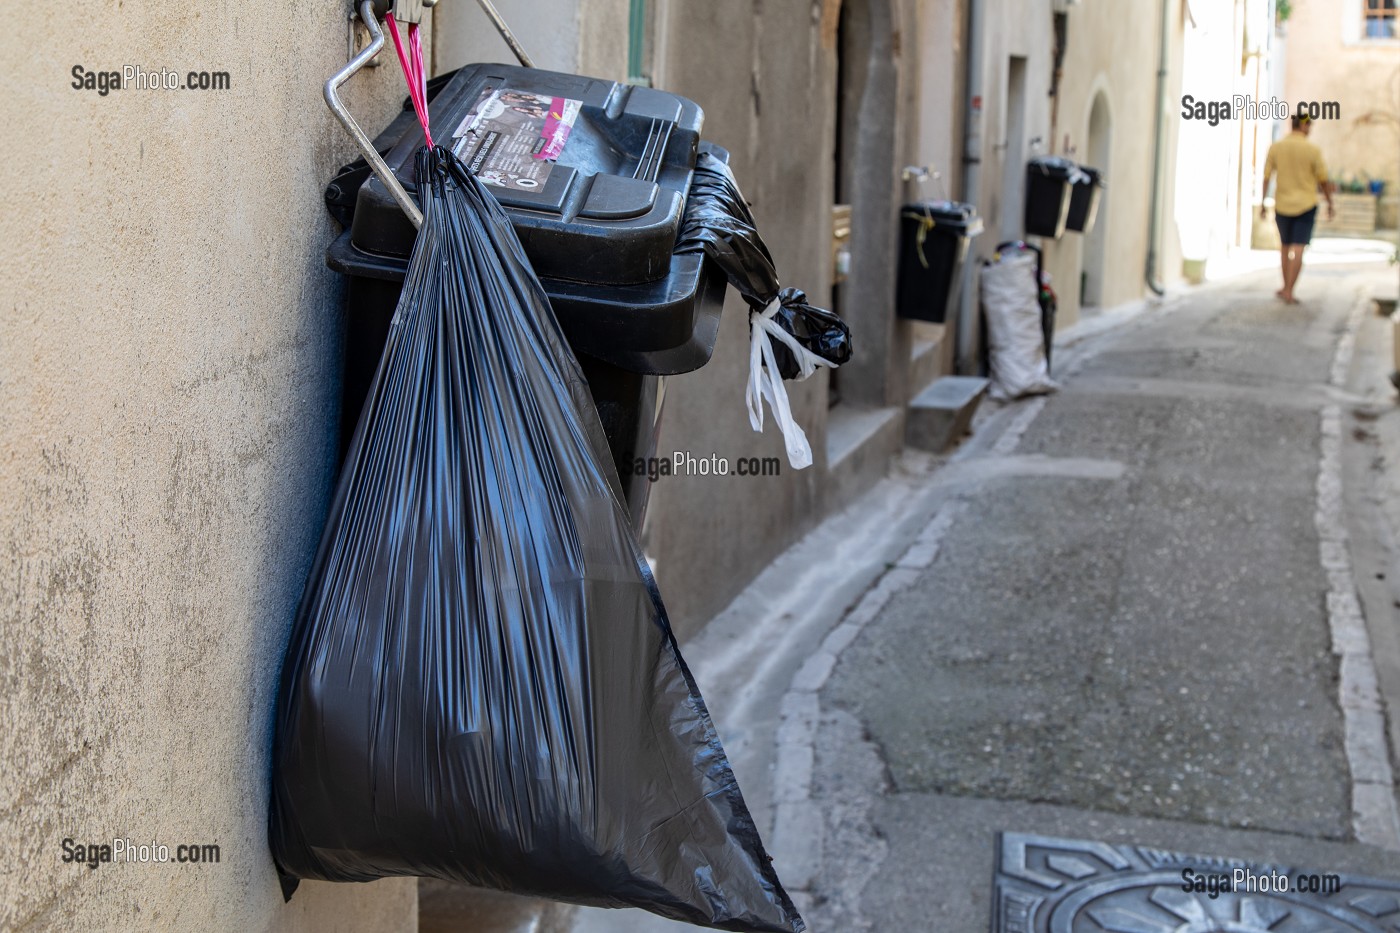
(494, 16)
(347, 120)
(366, 55)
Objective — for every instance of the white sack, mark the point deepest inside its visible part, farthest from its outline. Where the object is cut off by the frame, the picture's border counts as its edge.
(1010, 299)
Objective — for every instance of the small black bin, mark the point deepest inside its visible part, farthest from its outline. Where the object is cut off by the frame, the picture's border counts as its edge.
(599, 224)
(1084, 199)
(933, 242)
(1048, 195)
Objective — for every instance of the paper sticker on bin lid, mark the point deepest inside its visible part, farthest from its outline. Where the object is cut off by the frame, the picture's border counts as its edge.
(512, 138)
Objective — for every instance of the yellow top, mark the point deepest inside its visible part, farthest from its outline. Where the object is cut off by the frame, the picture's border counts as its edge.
(1300, 170)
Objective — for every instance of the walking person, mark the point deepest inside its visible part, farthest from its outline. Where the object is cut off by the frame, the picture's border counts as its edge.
(1302, 173)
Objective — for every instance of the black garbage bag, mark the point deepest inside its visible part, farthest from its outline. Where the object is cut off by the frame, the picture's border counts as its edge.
(718, 222)
(482, 684)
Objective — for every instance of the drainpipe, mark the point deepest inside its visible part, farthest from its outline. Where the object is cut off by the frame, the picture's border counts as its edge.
(967, 355)
(1057, 74)
(1154, 235)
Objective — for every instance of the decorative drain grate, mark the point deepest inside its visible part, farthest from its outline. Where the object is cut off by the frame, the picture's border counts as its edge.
(1048, 885)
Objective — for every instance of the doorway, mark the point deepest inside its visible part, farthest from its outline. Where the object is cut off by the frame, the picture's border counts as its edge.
(865, 169)
(1013, 163)
(847, 104)
(1092, 257)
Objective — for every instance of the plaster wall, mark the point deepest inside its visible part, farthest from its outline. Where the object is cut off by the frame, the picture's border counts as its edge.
(1329, 59)
(765, 81)
(1020, 28)
(941, 81)
(1117, 57)
(169, 385)
(583, 36)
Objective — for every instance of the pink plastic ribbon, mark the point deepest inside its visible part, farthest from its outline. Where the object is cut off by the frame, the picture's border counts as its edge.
(413, 72)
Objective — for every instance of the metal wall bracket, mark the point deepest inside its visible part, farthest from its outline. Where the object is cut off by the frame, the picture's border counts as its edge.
(352, 40)
(407, 11)
(342, 113)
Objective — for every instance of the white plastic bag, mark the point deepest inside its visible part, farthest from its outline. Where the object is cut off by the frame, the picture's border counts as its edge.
(1010, 297)
(765, 382)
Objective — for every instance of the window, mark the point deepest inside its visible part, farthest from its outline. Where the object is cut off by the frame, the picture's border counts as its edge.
(1381, 16)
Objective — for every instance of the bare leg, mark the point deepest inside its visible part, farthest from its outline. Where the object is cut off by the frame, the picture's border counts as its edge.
(1283, 255)
(1290, 275)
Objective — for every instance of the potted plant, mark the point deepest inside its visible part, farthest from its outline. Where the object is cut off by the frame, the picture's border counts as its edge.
(1356, 200)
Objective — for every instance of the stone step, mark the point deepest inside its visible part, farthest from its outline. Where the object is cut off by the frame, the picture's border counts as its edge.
(940, 415)
(926, 356)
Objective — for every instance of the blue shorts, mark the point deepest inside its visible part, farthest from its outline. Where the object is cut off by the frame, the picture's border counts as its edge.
(1297, 229)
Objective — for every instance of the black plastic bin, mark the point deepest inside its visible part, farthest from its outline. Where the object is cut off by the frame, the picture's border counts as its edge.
(933, 243)
(599, 224)
(1084, 198)
(1048, 195)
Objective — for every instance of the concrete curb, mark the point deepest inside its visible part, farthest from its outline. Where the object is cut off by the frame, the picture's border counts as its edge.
(1375, 819)
(797, 821)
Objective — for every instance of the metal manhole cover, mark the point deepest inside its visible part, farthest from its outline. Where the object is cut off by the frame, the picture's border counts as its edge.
(1049, 885)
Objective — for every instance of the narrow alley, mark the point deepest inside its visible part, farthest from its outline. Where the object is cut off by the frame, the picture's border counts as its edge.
(1123, 614)
(641, 466)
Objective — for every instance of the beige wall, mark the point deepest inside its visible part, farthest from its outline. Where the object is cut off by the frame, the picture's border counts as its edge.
(765, 85)
(940, 105)
(1103, 58)
(584, 36)
(168, 388)
(1120, 63)
(1328, 60)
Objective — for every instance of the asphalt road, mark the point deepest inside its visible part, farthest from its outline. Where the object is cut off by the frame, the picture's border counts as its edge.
(1160, 608)
(1134, 648)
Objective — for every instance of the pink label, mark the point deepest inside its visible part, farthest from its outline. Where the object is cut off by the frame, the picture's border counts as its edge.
(556, 130)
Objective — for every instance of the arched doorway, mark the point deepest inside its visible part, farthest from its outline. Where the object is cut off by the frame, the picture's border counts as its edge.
(865, 168)
(1092, 256)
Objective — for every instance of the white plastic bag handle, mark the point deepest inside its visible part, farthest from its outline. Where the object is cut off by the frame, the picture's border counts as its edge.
(765, 382)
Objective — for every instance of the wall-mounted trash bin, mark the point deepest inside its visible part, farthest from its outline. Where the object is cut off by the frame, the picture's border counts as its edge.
(599, 223)
(933, 242)
(1085, 193)
(1048, 184)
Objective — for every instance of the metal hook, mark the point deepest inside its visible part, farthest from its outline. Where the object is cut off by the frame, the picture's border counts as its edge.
(922, 174)
(366, 55)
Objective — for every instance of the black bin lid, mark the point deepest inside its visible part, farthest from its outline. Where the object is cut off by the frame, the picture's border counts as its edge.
(954, 214)
(605, 211)
(667, 326)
